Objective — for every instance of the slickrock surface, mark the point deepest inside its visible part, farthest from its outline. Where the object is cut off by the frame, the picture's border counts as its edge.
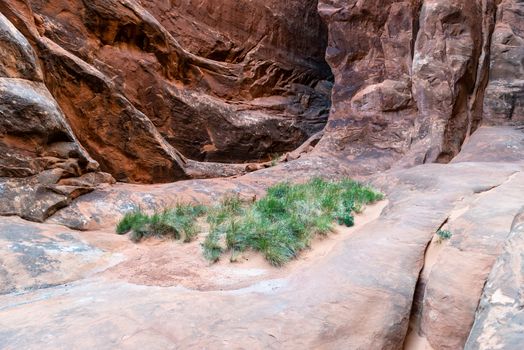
(500, 317)
(362, 292)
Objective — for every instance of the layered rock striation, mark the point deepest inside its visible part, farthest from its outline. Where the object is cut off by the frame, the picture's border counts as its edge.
(133, 93)
(146, 92)
(150, 90)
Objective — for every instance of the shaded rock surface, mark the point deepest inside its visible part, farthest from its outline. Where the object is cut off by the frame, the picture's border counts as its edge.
(128, 85)
(37, 146)
(504, 97)
(151, 89)
(91, 86)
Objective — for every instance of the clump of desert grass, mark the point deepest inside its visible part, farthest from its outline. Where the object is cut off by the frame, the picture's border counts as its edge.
(179, 222)
(279, 225)
(284, 222)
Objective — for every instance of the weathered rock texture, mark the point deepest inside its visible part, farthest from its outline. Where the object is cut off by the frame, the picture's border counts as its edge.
(414, 79)
(108, 86)
(500, 318)
(133, 94)
(39, 151)
(504, 97)
(148, 90)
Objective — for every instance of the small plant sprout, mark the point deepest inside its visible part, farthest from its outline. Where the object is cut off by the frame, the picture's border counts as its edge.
(275, 157)
(443, 235)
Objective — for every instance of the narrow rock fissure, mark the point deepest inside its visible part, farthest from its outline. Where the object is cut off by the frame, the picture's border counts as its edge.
(418, 296)
(467, 112)
(416, 27)
(483, 191)
(483, 76)
(416, 306)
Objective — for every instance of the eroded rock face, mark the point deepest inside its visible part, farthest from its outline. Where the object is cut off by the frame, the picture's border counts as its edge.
(447, 71)
(373, 108)
(504, 98)
(37, 147)
(275, 42)
(356, 295)
(17, 56)
(147, 89)
(412, 82)
(412, 86)
(499, 319)
(144, 91)
(119, 68)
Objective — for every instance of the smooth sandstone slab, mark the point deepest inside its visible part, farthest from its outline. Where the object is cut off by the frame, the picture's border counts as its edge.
(499, 320)
(357, 296)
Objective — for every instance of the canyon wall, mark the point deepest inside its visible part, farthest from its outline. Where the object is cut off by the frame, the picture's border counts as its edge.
(413, 79)
(151, 92)
(144, 85)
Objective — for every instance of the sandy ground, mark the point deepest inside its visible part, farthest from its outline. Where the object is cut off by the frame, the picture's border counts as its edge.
(166, 263)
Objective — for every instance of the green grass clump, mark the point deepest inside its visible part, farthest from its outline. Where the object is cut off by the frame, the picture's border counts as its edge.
(134, 219)
(279, 226)
(443, 235)
(178, 222)
(229, 207)
(282, 224)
